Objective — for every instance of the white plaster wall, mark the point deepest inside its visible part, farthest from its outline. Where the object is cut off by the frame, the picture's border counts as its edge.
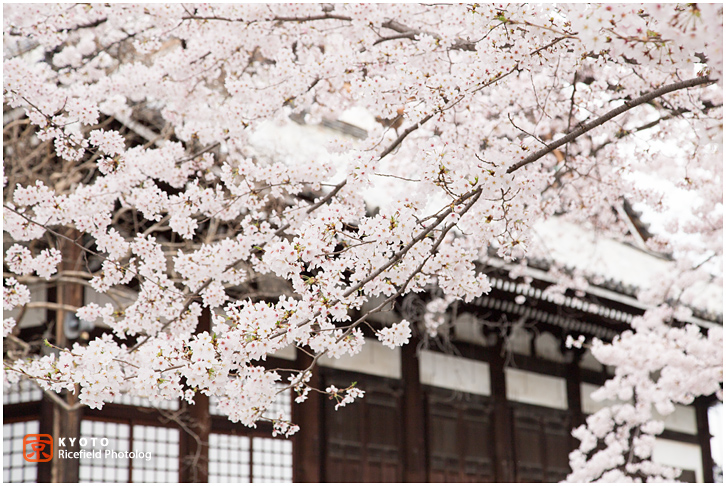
(589, 362)
(680, 455)
(715, 425)
(454, 373)
(286, 353)
(374, 359)
(536, 389)
(519, 341)
(548, 347)
(468, 329)
(683, 419)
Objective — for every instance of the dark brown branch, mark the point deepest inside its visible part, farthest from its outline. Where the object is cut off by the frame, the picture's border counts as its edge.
(476, 194)
(106, 48)
(409, 33)
(398, 256)
(406, 133)
(673, 114)
(89, 25)
(406, 35)
(328, 197)
(273, 19)
(509, 117)
(628, 105)
(537, 51)
(471, 196)
(404, 31)
(313, 18)
(197, 154)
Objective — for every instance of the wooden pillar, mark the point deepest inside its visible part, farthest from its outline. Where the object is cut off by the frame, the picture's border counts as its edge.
(46, 427)
(194, 446)
(66, 421)
(46, 405)
(574, 394)
(415, 462)
(503, 423)
(194, 442)
(308, 444)
(704, 438)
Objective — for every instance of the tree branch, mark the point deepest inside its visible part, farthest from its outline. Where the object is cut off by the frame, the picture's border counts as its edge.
(62, 403)
(673, 114)
(628, 105)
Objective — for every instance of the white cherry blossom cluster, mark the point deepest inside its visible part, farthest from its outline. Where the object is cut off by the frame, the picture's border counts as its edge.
(345, 396)
(8, 326)
(14, 294)
(154, 123)
(657, 365)
(396, 335)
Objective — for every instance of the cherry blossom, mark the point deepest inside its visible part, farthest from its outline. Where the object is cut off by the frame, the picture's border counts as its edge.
(396, 335)
(175, 158)
(687, 364)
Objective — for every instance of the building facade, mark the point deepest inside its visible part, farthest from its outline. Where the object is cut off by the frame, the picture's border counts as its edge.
(491, 399)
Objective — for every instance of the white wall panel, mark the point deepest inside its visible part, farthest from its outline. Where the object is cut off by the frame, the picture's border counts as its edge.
(454, 373)
(536, 389)
(374, 359)
(680, 455)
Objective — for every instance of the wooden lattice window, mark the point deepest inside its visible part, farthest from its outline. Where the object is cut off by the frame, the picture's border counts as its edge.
(15, 468)
(242, 459)
(271, 460)
(24, 391)
(229, 458)
(163, 445)
(155, 451)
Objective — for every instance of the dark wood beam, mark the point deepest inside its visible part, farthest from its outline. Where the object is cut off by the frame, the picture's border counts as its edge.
(21, 412)
(45, 427)
(114, 412)
(415, 464)
(194, 436)
(308, 447)
(676, 436)
(222, 425)
(45, 405)
(704, 437)
(503, 426)
(574, 394)
(66, 421)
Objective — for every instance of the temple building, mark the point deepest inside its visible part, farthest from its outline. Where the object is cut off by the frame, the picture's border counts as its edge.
(492, 398)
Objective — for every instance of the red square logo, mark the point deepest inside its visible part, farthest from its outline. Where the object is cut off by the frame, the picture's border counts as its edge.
(38, 447)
